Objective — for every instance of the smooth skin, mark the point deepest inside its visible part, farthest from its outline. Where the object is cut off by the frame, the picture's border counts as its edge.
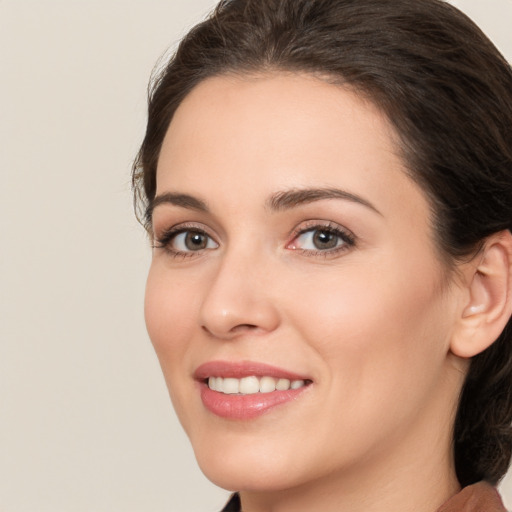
(349, 290)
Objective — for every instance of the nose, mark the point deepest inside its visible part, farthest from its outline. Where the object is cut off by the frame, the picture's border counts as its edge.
(238, 300)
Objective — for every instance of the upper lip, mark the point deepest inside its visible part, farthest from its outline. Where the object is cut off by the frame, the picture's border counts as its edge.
(240, 369)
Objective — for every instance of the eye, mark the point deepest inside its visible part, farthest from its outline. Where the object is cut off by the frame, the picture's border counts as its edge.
(182, 241)
(324, 239)
(192, 241)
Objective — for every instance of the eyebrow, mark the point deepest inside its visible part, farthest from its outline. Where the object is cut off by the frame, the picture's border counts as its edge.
(176, 199)
(279, 201)
(295, 197)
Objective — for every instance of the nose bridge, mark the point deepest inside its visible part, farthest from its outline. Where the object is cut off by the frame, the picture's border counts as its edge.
(238, 299)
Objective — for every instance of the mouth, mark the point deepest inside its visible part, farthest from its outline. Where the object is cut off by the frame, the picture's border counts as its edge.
(253, 384)
(246, 390)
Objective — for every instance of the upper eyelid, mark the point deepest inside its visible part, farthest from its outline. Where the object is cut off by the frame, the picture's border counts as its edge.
(180, 227)
(166, 223)
(320, 224)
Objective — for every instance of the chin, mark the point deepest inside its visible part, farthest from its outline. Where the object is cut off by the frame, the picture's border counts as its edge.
(241, 477)
(249, 469)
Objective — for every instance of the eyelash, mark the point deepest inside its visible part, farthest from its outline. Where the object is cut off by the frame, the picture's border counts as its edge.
(348, 239)
(166, 238)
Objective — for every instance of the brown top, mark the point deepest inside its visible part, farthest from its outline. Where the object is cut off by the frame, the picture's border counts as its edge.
(481, 497)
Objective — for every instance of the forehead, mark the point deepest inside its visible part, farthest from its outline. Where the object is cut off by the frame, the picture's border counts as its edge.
(268, 132)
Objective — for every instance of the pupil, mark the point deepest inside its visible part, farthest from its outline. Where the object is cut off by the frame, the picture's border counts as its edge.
(195, 241)
(324, 240)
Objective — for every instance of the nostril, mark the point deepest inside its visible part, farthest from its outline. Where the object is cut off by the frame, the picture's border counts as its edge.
(206, 330)
(241, 328)
(237, 329)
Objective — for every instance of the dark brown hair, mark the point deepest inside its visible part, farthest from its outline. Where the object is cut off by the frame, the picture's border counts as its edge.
(448, 93)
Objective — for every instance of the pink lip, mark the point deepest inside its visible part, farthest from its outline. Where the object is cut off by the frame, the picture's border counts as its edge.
(244, 407)
(240, 369)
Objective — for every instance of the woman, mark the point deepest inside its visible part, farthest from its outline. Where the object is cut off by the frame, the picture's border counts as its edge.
(328, 188)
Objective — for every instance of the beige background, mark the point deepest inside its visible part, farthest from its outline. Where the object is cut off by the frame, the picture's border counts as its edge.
(85, 423)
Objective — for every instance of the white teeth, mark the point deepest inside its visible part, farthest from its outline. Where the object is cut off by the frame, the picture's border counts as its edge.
(267, 384)
(283, 385)
(251, 385)
(296, 384)
(231, 386)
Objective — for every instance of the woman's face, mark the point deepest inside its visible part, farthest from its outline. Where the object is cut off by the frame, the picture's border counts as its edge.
(292, 250)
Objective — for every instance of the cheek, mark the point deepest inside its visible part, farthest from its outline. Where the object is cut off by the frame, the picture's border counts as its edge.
(169, 310)
(170, 307)
(380, 334)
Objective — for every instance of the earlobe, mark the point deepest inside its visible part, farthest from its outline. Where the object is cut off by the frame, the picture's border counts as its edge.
(488, 306)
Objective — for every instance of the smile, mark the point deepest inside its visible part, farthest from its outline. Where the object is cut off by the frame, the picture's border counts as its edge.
(245, 390)
(252, 385)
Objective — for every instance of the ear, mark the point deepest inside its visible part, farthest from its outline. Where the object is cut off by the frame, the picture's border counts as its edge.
(487, 306)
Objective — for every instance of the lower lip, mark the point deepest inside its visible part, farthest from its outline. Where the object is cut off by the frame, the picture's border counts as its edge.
(245, 407)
